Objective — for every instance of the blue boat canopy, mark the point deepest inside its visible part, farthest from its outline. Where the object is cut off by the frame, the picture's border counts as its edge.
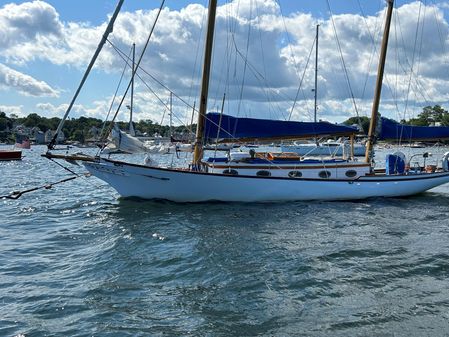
(233, 128)
(392, 130)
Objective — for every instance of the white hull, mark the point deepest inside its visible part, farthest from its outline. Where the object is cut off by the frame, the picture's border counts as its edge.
(140, 181)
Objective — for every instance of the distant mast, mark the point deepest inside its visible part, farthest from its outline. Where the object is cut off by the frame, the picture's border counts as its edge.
(378, 88)
(198, 151)
(132, 132)
(171, 116)
(316, 75)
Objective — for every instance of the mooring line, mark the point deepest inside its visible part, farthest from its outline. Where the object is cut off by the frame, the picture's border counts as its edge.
(17, 194)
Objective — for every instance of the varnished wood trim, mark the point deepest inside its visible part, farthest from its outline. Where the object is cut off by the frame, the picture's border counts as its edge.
(275, 167)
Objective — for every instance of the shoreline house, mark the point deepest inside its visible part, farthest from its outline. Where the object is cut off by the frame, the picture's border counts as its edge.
(49, 136)
(37, 135)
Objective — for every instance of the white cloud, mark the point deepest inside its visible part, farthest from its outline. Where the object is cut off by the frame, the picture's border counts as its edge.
(275, 60)
(49, 110)
(25, 84)
(25, 24)
(13, 109)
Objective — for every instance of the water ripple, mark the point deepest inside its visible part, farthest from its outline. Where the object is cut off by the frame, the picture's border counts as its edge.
(77, 261)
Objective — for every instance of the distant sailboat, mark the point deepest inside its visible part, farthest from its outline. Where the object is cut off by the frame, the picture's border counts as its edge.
(332, 148)
(22, 142)
(7, 155)
(262, 177)
(132, 132)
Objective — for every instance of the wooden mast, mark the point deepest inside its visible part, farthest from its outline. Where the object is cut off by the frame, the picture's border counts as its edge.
(198, 151)
(378, 88)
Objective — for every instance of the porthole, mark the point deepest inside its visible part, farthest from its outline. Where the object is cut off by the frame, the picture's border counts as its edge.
(230, 172)
(295, 174)
(324, 174)
(263, 173)
(351, 173)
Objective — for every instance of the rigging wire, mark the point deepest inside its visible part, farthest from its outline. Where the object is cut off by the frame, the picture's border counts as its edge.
(372, 54)
(387, 83)
(262, 52)
(412, 63)
(224, 70)
(413, 76)
(196, 70)
(374, 47)
(258, 76)
(418, 87)
(108, 31)
(421, 41)
(420, 52)
(302, 79)
(293, 56)
(232, 51)
(137, 66)
(116, 91)
(342, 59)
(126, 59)
(245, 61)
(228, 51)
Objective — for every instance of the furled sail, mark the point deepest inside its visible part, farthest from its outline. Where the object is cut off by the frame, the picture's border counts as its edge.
(126, 143)
(225, 127)
(392, 130)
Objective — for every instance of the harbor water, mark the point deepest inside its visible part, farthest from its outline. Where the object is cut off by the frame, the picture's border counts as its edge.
(76, 260)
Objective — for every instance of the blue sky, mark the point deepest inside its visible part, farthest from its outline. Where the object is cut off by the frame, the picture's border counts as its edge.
(42, 59)
(94, 11)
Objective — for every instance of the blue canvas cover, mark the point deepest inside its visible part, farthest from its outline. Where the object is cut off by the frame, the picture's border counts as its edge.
(392, 130)
(394, 164)
(233, 128)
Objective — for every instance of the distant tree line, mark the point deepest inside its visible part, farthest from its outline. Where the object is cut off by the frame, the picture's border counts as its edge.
(78, 129)
(435, 115)
(431, 115)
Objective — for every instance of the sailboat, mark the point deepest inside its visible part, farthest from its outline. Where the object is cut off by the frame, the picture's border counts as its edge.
(22, 142)
(7, 155)
(265, 177)
(324, 148)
